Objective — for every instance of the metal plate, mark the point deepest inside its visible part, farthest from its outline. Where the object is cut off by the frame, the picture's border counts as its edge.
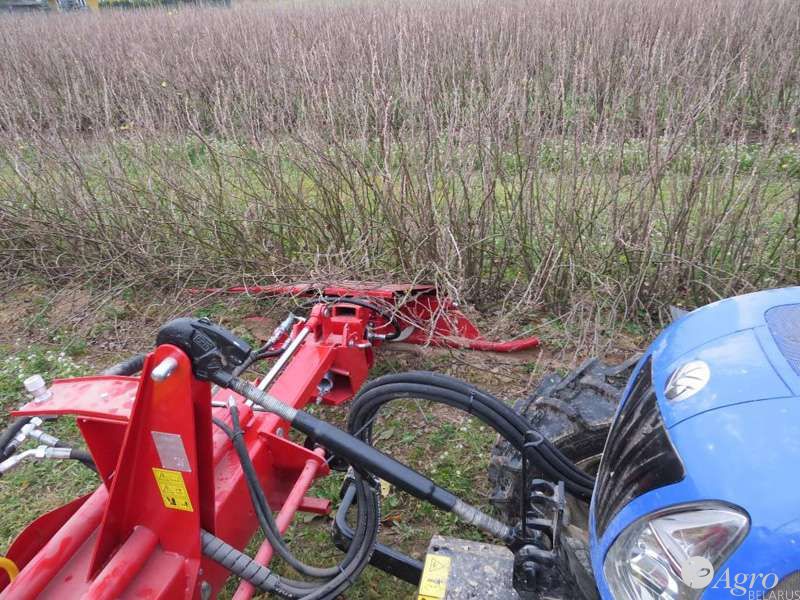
(465, 570)
(171, 451)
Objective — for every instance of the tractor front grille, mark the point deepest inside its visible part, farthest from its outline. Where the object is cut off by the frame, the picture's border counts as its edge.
(638, 456)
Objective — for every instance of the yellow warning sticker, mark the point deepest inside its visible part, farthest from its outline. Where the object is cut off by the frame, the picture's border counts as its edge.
(173, 489)
(433, 584)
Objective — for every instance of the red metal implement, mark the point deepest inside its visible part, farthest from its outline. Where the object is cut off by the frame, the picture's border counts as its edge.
(166, 474)
(424, 315)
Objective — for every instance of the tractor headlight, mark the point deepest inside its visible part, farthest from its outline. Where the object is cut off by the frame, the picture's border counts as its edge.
(673, 553)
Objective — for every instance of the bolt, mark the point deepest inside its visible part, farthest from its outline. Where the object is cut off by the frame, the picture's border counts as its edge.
(280, 432)
(205, 590)
(164, 369)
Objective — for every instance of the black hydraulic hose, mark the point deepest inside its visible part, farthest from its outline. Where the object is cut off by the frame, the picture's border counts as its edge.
(80, 455)
(385, 558)
(367, 498)
(265, 518)
(241, 565)
(489, 418)
(521, 424)
(9, 433)
(257, 355)
(447, 390)
(552, 453)
(84, 457)
(551, 458)
(384, 394)
(264, 513)
(262, 353)
(357, 556)
(127, 367)
(269, 525)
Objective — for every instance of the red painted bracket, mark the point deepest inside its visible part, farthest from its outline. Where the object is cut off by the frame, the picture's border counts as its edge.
(136, 537)
(425, 317)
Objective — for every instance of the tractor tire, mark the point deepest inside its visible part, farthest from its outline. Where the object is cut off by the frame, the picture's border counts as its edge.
(574, 412)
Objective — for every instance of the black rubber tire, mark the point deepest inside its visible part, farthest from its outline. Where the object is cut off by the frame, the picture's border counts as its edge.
(574, 412)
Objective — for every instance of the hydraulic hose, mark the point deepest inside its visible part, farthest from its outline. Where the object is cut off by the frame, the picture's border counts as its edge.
(364, 456)
(127, 367)
(262, 508)
(453, 392)
(240, 564)
(83, 457)
(358, 554)
(443, 389)
(10, 432)
(475, 394)
(368, 497)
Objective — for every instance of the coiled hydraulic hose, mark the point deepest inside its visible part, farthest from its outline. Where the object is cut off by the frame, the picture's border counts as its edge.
(337, 578)
(262, 508)
(453, 392)
(238, 562)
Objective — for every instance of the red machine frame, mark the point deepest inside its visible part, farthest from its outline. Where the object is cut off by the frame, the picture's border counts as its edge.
(426, 317)
(138, 534)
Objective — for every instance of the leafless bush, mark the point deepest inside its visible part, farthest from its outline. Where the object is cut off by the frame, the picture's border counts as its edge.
(621, 154)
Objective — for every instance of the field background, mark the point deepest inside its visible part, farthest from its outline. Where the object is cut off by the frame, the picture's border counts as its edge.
(566, 168)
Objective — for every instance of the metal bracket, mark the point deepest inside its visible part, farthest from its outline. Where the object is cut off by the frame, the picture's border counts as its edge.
(536, 558)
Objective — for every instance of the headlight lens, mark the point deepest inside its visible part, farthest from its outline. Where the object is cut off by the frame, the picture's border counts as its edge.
(650, 560)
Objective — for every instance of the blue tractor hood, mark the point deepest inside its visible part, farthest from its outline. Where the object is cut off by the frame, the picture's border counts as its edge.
(738, 437)
(751, 344)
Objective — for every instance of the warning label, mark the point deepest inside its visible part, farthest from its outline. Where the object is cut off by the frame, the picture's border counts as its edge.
(173, 489)
(433, 584)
